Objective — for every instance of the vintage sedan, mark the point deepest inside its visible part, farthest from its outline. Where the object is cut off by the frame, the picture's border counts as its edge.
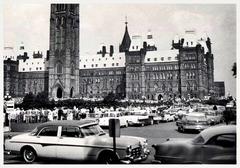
(105, 117)
(76, 140)
(193, 121)
(215, 145)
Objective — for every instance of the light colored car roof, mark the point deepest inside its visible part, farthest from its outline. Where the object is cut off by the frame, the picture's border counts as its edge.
(81, 122)
(216, 130)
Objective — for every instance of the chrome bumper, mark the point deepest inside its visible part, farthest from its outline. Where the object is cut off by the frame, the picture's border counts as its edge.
(132, 159)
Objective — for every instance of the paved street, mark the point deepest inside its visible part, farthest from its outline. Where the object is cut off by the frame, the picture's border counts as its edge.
(154, 133)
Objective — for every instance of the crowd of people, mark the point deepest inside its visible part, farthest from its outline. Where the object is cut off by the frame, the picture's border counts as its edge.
(44, 115)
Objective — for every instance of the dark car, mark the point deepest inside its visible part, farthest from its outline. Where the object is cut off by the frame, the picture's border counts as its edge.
(215, 145)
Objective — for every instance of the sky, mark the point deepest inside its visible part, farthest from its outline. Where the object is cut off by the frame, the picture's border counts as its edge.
(104, 23)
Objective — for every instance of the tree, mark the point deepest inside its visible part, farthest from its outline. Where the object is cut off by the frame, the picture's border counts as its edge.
(28, 101)
(234, 69)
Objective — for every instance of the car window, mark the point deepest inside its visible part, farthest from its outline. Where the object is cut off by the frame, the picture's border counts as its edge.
(70, 132)
(198, 139)
(225, 140)
(49, 131)
(91, 130)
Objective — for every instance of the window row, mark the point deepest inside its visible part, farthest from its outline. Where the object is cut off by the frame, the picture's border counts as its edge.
(104, 65)
(36, 63)
(30, 69)
(162, 59)
(161, 76)
(165, 67)
(190, 75)
(99, 59)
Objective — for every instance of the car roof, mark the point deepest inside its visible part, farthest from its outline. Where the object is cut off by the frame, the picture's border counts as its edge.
(80, 123)
(217, 130)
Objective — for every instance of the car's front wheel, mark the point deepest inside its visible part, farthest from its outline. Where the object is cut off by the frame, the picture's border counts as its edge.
(29, 155)
(107, 158)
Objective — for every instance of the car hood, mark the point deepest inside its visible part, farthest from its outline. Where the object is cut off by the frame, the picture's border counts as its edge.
(122, 141)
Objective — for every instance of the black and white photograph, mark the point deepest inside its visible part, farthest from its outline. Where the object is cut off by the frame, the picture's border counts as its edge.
(123, 83)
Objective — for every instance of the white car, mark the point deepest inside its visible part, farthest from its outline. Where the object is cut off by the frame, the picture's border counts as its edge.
(76, 140)
(104, 119)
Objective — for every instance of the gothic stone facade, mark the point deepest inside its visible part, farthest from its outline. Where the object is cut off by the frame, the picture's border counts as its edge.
(187, 72)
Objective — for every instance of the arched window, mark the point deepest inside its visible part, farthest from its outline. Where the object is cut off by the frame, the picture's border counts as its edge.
(163, 87)
(187, 75)
(59, 68)
(155, 87)
(63, 21)
(194, 86)
(72, 70)
(193, 75)
(188, 86)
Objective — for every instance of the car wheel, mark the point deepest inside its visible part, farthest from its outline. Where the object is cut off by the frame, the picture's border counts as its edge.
(29, 155)
(107, 158)
(142, 124)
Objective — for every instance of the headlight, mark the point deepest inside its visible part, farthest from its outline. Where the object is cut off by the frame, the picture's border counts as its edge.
(143, 143)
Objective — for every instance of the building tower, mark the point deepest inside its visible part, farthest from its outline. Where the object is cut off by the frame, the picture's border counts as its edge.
(64, 51)
(126, 41)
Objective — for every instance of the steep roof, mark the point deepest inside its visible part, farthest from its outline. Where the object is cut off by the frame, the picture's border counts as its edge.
(124, 46)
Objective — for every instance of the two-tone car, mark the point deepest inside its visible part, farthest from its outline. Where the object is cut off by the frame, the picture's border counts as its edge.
(193, 121)
(76, 140)
(215, 145)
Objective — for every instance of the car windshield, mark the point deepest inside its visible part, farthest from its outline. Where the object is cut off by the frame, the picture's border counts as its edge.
(92, 130)
(34, 132)
(198, 139)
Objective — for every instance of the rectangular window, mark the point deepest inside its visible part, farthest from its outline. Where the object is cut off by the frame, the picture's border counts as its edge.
(104, 65)
(162, 58)
(155, 59)
(148, 59)
(116, 64)
(169, 58)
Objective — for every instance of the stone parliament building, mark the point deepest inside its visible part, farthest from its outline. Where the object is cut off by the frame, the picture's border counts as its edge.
(136, 70)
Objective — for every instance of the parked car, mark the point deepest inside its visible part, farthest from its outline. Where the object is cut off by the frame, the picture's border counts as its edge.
(139, 118)
(193, 121)
(76, 140)
(105, 117)
(214, 145)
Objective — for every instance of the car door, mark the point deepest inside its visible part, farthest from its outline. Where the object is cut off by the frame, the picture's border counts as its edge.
(220, 149)
(71, 144)
(47, 139)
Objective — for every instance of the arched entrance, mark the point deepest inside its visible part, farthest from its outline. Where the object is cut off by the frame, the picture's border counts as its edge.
(71, 92)
(59, 93)
(160, 97)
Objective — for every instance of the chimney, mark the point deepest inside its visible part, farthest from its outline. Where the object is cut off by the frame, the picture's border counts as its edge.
(145, 45)
(103, 50)
(111, 50)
